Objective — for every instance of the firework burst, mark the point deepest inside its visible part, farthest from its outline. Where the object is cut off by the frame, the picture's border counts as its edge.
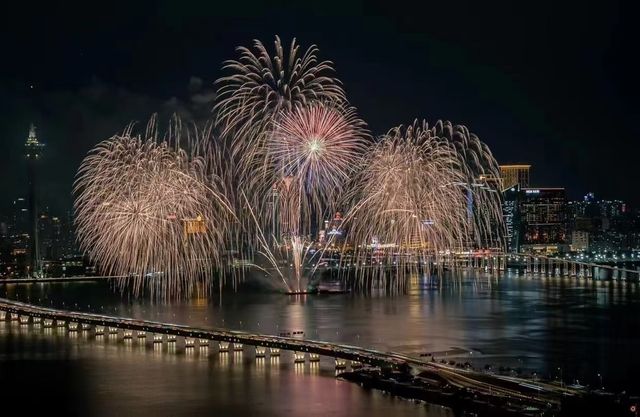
(292, 138)
(310, 153)
(260, 85)
(151, 212)
(410, 201)
(313, 150)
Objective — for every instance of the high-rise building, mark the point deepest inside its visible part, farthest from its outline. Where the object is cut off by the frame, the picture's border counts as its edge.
(19, 224)
(511, 215)
(19, 237)
(579, 240)
(33, 153)
(50, 236)
(611, 225)
(543, 220)
(515, 174)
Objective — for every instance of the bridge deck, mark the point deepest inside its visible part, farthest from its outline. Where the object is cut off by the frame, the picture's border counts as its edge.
(494, 385)
(367, 356)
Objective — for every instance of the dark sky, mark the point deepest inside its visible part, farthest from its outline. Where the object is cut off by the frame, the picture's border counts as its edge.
(553, 84)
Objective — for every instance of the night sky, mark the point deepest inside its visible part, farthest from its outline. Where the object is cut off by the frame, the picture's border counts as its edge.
(554, 84)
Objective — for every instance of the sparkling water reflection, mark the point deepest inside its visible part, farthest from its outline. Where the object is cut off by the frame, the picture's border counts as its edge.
(549, 326)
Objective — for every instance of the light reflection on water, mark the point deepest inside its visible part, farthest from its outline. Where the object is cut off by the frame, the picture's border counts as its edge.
(584, 327)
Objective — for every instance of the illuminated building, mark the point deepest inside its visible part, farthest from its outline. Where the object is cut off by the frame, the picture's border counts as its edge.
(511, 215)
(512, 175)
(579, 240)
(332, 229)
(610, 224)
(543, 220)
(195, 226)
(33, 153)
(50, 236)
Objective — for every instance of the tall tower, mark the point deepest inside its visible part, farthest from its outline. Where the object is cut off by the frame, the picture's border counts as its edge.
(33, 152)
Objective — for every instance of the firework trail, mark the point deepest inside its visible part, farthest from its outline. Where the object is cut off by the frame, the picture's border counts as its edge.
(260, 85)
(482, 172)
(409, 202)
(151, 211)
(292, 152)
(313, 151)
(311, 154)
(293, 142)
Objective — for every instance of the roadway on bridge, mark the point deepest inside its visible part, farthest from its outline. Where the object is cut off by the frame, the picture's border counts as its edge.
(470, 379)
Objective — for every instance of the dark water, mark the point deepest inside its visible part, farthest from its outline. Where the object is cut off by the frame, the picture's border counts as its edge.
(554, 327)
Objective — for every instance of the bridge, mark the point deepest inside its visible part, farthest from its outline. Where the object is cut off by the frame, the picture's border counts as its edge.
(539, 392)
(59, 279)
(548, 265)
(540, 265)
(167, 333)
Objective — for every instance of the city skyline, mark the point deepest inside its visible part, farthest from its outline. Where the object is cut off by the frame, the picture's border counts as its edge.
(345, 208)
(78, 97)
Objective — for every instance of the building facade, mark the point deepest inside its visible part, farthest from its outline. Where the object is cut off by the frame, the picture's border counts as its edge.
(516, 174)
(536, 220)
(544, 220)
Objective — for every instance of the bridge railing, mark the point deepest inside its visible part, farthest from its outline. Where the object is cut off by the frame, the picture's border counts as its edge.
(329, 349)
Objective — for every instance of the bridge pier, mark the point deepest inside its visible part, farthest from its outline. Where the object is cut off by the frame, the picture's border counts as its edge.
(73, 326)
(99, 330)
(274, 352)
(298, 357)
(237, 347)
(157, 338)
(204, 342)
(171, 338)
(128, 334)
(341, 363)
(314, 357)
(37, 319)
(24, 319)
(223, 347)
(189, 342)
(142, 334)
(113, 330)
(260, 352)
(60, 323)
(3, 315)
(48, 323)
(356, 365)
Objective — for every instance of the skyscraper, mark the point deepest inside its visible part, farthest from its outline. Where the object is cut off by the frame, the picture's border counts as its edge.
(513, 175)
(543, 220)
(33, 153)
